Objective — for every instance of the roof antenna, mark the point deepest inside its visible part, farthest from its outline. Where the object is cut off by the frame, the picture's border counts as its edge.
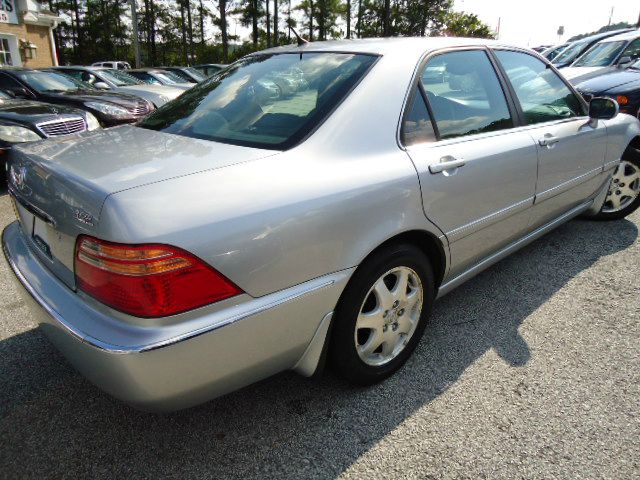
(301, 41)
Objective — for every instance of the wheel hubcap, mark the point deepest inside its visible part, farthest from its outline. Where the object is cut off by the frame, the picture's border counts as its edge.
(388, 316)
(624, 188)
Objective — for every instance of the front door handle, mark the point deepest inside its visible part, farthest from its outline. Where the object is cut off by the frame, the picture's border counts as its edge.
(548, 140)
(447, 163)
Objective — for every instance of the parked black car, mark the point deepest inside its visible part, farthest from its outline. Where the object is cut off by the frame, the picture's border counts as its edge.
(109, 107)
(24, 121)
(189, 74)
(577, 48)
(621, 84)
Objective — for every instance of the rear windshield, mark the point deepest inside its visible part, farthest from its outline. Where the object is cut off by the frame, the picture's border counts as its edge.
(264, 101)
(601, 54)
(120, 79)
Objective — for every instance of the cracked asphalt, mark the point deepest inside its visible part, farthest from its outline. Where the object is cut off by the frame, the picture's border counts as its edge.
(530, 370)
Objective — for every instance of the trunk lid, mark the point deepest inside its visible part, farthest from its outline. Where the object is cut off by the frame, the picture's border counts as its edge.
(60, 185)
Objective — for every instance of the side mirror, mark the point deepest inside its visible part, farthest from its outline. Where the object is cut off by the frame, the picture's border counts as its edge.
(101, 85)
(603, 108)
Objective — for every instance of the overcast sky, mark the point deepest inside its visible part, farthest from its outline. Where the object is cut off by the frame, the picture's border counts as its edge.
(535, 22)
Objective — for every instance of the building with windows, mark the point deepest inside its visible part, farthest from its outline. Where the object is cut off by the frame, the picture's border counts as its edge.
(26, 34)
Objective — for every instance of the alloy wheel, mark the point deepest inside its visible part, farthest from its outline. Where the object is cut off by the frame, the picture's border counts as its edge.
(624, 188)
(388, 316)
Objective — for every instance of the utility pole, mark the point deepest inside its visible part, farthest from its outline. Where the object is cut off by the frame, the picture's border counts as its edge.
(134, 23)
(610, 17)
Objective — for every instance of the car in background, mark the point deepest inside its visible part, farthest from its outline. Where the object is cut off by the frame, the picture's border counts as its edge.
(541, 48)
(24, 121)
(111, 108)
(552, 52)
(117, 80)
(577, 48)
(118, 65)
(209, 69)
(618, 50)
(156, 76)
(189, 74)
(620, 84)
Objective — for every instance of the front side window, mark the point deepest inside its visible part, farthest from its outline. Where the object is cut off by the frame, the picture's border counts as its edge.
(543, 96)
(601, 54)
(633, 50)
(465, 94)
(570, 53)
(265, 100)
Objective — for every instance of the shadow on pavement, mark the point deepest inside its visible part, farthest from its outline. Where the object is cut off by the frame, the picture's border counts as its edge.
(53, 422)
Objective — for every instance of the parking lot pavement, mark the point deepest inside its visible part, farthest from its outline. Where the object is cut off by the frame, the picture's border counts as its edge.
(530, 370)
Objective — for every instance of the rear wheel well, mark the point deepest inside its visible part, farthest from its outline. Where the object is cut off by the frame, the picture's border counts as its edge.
(633, 149)
(428, 243)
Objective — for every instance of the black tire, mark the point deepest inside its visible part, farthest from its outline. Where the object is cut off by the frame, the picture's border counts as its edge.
(343, 356)
(632, 155)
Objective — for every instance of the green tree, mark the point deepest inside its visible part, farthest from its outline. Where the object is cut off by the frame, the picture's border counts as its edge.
(462, 24)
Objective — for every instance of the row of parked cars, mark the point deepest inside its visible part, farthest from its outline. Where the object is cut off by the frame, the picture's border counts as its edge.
(606, 64)
(37, 104)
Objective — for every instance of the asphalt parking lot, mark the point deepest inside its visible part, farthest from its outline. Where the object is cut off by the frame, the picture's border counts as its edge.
(530, 370)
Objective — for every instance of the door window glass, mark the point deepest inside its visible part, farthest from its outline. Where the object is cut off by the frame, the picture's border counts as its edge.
(417, 126)
(633, 50)
(542, 94)
(465, 94)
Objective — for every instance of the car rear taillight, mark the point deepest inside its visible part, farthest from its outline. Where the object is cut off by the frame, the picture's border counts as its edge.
(147, 280)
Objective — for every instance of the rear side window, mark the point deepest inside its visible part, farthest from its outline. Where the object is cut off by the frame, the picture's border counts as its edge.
(465, 94)
(543, 96)
(417, 126)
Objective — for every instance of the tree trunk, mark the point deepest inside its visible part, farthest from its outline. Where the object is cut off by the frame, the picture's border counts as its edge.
(386, 31)
(322, 15)
(183, 27)
(359, 22)
(254, 21)
(311, 13)
(268, 25)
(276, 40)
(348, 18)
(222, 6)
(190, 31)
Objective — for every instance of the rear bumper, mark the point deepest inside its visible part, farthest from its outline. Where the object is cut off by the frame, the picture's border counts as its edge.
(174, 365)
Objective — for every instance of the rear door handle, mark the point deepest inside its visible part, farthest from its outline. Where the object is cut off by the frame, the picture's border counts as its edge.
(548, 140)
(447, 163)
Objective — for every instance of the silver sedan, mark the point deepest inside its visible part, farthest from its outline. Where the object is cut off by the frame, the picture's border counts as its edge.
(246, 228)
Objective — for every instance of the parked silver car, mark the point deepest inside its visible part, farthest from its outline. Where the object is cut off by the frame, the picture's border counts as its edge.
(119, 81)
(235, 234)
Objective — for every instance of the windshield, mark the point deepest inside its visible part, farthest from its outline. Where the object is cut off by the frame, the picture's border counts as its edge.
(120, 79)
(570, 53)
(195, 73)
(174, 77)
(265, 101)
(49, 82)
(601, 54)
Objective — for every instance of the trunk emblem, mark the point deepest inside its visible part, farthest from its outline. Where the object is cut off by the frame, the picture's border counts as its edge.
(83, 217)
(18, 177)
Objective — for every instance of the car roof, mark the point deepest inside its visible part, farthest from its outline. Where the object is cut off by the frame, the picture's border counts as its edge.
(633, 34)
(381, 46)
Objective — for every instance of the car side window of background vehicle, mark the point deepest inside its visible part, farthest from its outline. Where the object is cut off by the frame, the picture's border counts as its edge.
(8, 84)
(632, 52)
(468, 99)
(542, 94)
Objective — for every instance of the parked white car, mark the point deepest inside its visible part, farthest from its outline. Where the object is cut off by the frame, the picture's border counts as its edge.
(118, 65)
(119, 81)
